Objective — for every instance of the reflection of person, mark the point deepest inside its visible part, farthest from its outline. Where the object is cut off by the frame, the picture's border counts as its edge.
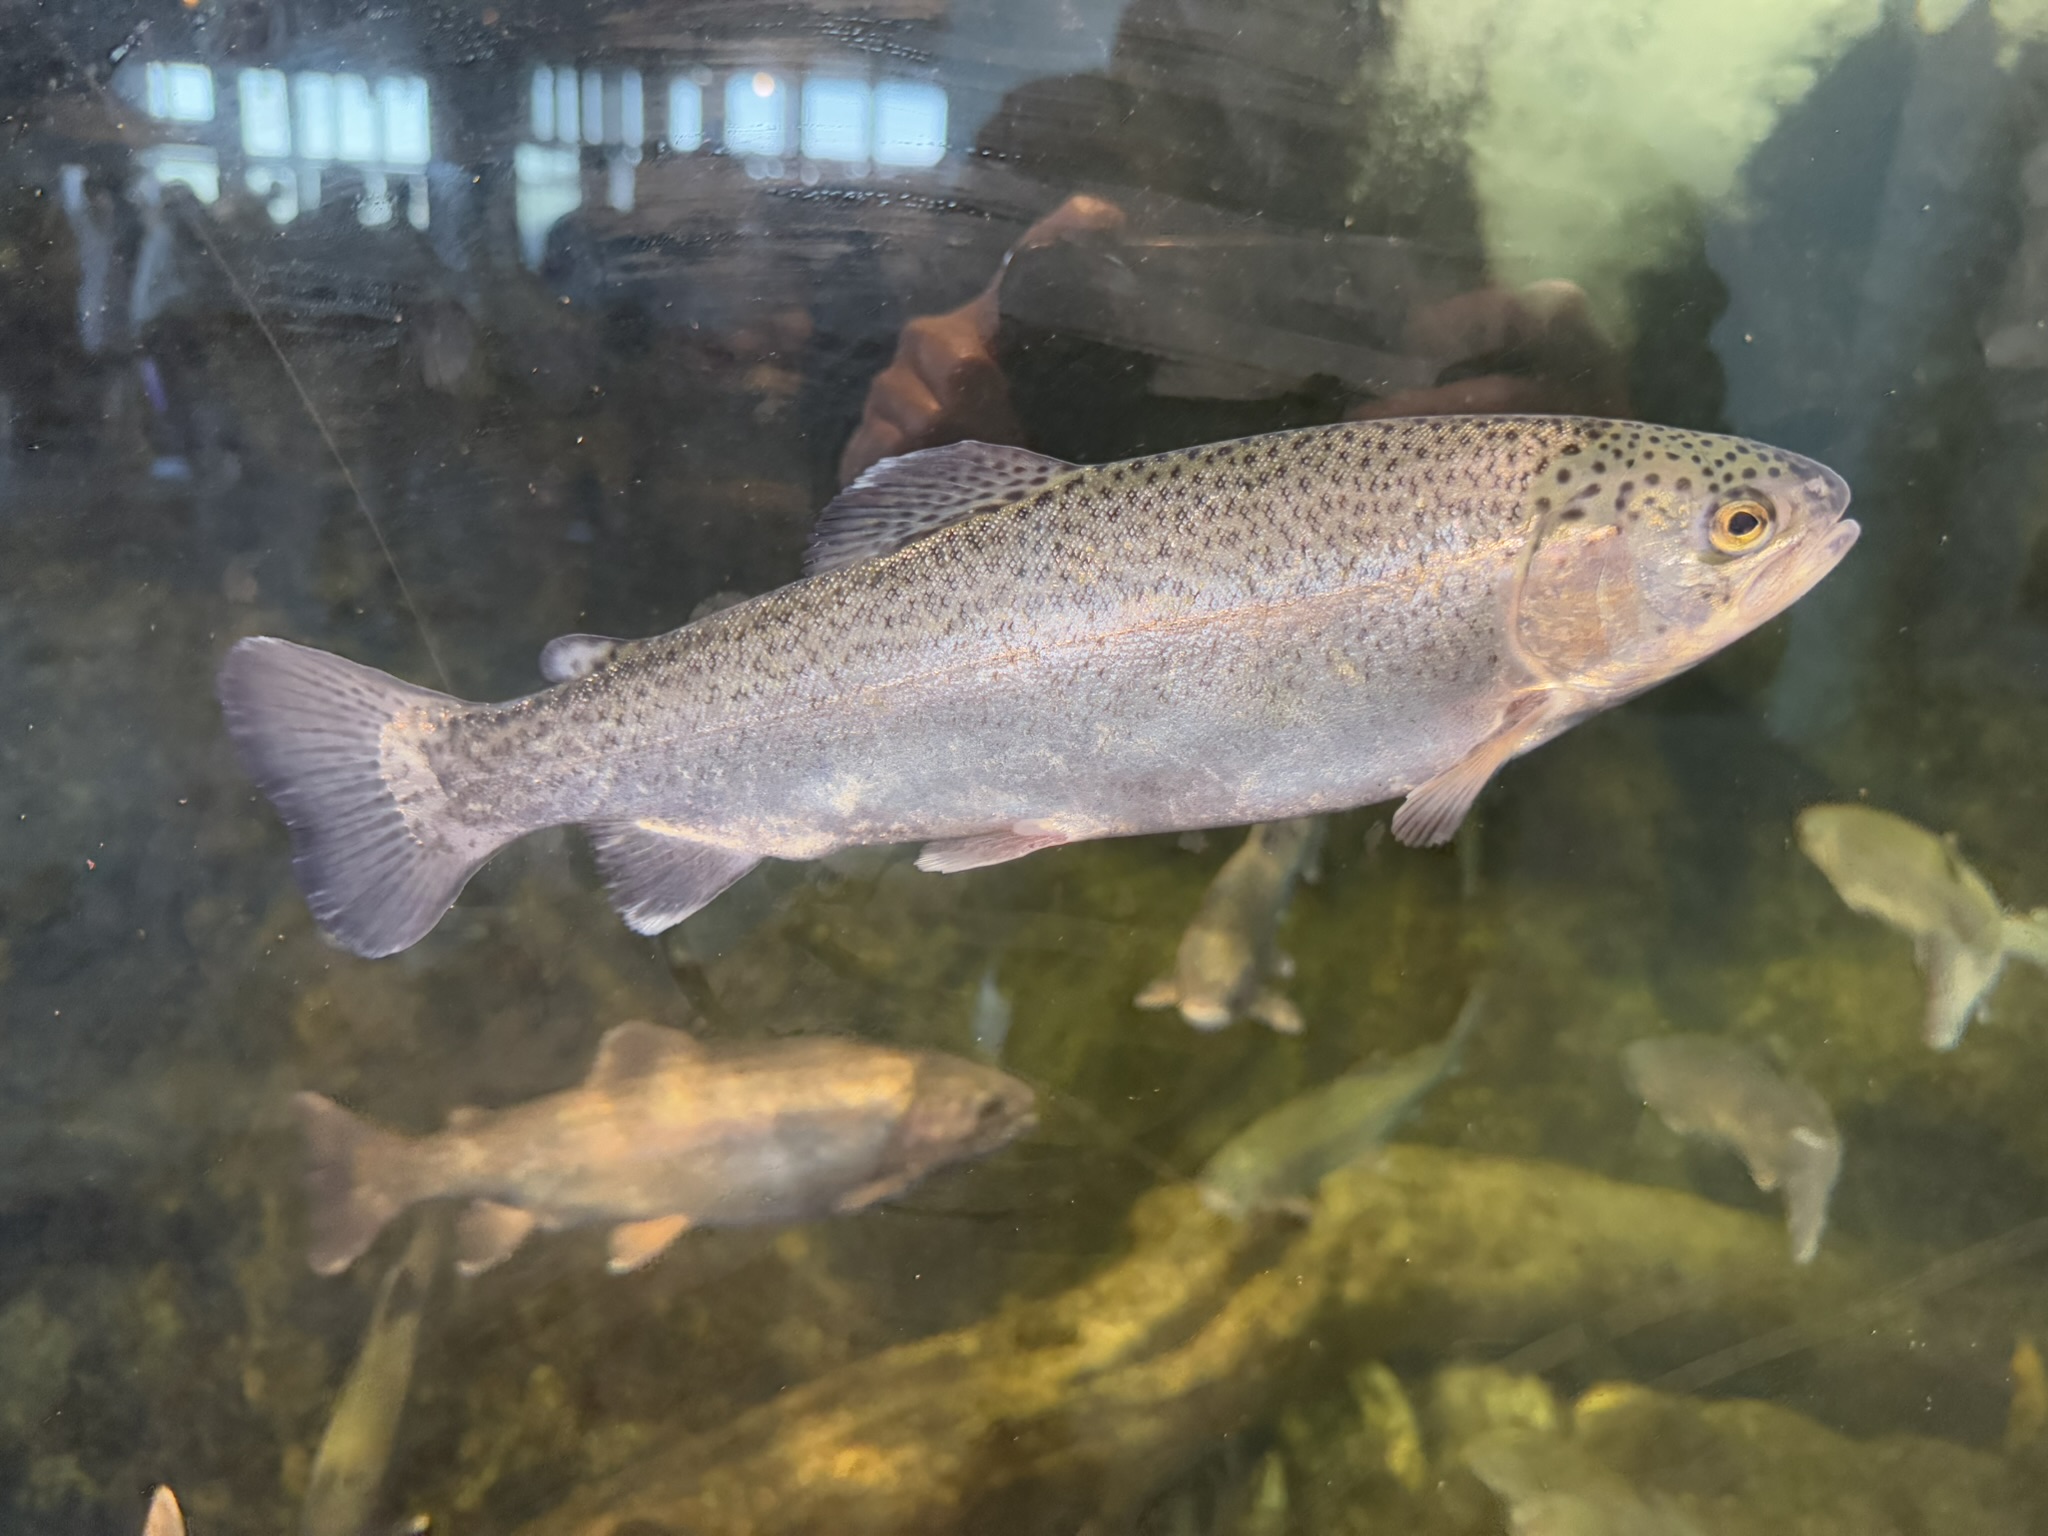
(1244, 107)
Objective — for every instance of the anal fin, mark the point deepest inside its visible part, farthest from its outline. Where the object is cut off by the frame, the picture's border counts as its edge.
(637, 1243)
(1434, 808)
(951, 855)
(657, 876)
(487, 1234)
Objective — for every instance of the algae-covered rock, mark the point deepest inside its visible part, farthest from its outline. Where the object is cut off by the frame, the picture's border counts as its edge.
(1741, 1466)
(1081, 1405)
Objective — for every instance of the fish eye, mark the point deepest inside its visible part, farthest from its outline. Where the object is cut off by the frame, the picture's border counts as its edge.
(1740, 526)
(990, 1108)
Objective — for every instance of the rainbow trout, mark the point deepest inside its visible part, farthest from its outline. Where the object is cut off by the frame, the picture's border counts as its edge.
(665, 1134)
(997, 652)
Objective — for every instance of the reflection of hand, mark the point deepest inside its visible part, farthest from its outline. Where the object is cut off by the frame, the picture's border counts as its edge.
(944, 383)
(1544, 333)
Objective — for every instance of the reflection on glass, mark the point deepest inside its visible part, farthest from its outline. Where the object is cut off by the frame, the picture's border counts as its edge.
(632, 113)
(355, 119)
(910, 123)
(178, 92)
(313, 94)
(266, 113)
(187, 164)
(546, 188)
(567, 110)
(685, 115)
(593, 108)
(541, 112)
(835, 118)
(756, 108)
(279, 191)
(408, 139)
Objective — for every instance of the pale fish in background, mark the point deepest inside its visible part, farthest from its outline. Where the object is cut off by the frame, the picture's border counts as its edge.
(1719, 1089)
(348, 1469)
(996, 652)
(164, 1518)
(665, 1134)
(1227, 955)
(993, 1013)
(1276, 1162)
(1549, 1487)
(1892, 869)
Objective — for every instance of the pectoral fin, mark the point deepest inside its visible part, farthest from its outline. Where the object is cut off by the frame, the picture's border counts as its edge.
(487, 1234)
(1163, 993)
(951, 855)
(636, 1243)
(861, 1196)
(1433, 809)
(1277, 1012)
(1959, 978)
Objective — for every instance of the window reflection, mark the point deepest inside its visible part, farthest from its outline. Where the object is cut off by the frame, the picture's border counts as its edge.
(685, 115)
(910, 123)
(756, 110)
(176, 92)
(187, 165)
(313, 94)
(291, 132)
(835, 118)
(266, 114)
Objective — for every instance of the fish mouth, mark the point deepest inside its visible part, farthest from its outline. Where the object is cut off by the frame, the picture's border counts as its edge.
(1779, 584)
(1817, 549)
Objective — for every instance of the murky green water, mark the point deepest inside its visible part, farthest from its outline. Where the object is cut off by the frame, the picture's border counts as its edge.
(425, 336)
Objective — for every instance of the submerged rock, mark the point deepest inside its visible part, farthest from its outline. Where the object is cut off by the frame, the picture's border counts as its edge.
(1081, 1406)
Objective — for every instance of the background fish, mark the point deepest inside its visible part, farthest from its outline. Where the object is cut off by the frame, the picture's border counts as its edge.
(1221, 971)
(665, 1134)
(349, 1467)
(1892, 869)
(999, 652)
(1708, 1086)
(1276, 1162)
(1550, 1487)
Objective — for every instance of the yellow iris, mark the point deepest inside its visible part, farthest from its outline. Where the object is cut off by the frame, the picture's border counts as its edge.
(1739, 526)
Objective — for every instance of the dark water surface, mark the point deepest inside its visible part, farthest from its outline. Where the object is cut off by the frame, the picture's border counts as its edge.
(427, 333)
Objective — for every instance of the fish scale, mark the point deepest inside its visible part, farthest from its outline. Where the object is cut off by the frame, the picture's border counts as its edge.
(998, 653)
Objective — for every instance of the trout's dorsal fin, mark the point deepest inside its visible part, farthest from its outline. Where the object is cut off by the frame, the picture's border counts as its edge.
(903, 499)
(567, 657)
(635, 1049)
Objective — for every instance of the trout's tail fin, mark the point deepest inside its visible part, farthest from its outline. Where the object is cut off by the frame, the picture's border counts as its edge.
(310, 730)
(356, 1181)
